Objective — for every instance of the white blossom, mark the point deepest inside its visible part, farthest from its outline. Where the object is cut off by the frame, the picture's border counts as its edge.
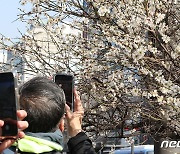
(138, 54)
(103, 10)
(165, 38)
(154, 93)
(135, 92)
(160, 17)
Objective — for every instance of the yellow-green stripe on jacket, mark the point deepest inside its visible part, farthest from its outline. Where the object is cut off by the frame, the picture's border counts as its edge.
(37, 145)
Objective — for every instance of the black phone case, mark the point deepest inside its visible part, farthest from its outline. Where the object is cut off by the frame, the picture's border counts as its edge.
(8, 104)
(62, 78)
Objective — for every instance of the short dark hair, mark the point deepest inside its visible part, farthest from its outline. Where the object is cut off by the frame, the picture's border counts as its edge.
(44, 102)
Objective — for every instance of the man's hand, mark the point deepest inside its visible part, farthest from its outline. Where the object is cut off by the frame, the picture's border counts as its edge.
(74, 119)
(21, 114)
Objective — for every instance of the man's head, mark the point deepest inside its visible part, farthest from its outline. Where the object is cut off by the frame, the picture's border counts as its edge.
(44, 102)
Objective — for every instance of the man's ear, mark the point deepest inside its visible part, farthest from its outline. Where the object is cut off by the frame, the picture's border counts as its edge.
(61, 125)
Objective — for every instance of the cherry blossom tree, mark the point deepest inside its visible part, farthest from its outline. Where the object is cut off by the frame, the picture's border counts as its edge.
(124, 56)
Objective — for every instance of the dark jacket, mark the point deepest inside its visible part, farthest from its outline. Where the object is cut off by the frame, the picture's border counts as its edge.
(80, 144)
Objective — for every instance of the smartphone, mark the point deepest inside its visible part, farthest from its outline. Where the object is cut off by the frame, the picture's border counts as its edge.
(66, 82)
(8, 104)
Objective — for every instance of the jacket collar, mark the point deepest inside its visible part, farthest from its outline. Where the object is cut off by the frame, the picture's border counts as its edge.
(41, 142)
(56, 136)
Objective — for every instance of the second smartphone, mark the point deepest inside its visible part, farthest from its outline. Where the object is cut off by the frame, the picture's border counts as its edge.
(8, 104)
(66, 82)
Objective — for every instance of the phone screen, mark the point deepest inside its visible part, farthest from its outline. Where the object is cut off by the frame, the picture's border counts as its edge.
(8, 104)
(66, 82)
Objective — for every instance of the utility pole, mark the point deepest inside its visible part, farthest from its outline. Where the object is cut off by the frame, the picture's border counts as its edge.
(132, 146)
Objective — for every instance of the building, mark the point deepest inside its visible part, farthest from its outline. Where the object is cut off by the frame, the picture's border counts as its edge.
(43, 54)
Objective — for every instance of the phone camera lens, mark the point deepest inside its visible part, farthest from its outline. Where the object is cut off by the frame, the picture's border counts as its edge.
(7, 127)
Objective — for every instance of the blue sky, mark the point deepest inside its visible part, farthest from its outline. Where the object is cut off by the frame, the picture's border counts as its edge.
(8, 13)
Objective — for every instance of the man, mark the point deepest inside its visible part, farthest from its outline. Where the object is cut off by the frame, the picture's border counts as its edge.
(44, 102)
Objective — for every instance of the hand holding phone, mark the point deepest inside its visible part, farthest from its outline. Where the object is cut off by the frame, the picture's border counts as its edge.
(74, 119)
(8, 104)
(7, 142)
(66, 82)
